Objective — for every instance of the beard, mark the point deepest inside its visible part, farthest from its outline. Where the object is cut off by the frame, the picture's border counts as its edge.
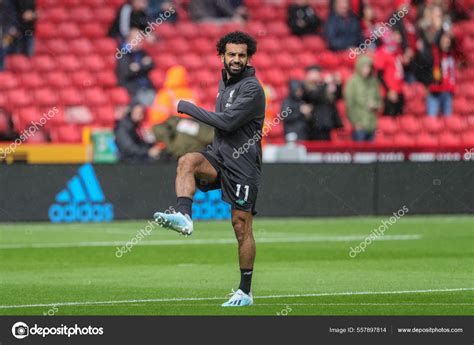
(232, 72)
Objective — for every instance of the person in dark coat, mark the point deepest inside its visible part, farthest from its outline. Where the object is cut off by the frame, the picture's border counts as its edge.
(133, 68)
(302, 19)
(131, 146)
(26, 19)
(131, 15)
(342, 29)
(296, 123)
(322, 96)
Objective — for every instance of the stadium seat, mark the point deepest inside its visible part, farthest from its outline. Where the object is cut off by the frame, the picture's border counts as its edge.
(449, 139)
(426, 139)
(106, 79)
(17, 63)
(67, 134)
(95, 97)
(18, 98)
(105, 46)
(45, 97)
(8, 81)
(68, 62)
(92, 30)
(410, 124)
(81, 47)
(105, 115)
(83, 78)
(81, 14)
(57, 46)
(93, 63)
(26, 117)
(468, 138)
(402, 139)
(32, 80)
(388, 125)
(57, 80)
(119, 96)
(67, 30)
(455, 123)
(432, 124)
(43, 63)
(71, 96)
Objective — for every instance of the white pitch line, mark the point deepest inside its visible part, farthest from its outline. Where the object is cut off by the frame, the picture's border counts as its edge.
(301, 239)
(155, 300)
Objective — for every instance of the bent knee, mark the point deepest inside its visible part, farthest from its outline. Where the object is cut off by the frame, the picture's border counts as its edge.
(187, 163)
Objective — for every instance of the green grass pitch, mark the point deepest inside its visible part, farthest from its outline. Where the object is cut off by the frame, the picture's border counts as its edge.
(421, 266)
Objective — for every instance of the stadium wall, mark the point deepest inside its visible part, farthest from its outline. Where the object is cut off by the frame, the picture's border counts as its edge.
(106, 192)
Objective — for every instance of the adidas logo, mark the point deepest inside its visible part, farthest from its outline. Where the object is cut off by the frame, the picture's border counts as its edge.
(82, 200)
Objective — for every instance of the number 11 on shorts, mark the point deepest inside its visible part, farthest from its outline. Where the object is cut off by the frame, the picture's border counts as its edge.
(246, 187)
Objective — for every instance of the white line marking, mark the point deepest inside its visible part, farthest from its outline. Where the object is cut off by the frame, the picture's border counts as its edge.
(301, 239)
(155, 300)
(322, 304)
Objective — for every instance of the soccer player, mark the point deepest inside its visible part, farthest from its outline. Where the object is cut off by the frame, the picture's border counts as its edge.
(233, 161)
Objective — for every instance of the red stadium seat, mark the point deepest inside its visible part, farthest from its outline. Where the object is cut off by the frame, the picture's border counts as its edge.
(83, 78)
(410, 124)
(68, 62)
(426, 139)
(468, 138)
(93, 63)
(67, 134)
(92, 30)
(26, 117)
(105, 46)
(388, 125)
(447, 138)
(18, 98)
(95, 97)
(455, 123)
(106, 79)
(57, 46)
(45, 97)
(67, 30)
(58, 79)
(71, 96)
(402, 139)
(43, 63)
(81, 14)
(105, 14)
(105, 115)
(45, 29)
(119, 96)
(18, 63)
(432, 124)
(81, 47)
(32, 80)
(8, 81)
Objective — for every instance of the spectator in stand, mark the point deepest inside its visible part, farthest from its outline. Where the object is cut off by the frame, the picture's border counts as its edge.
(216, 11)
(321, 95)
(8, 30)
(363, 100)
(388, 63)
(408, 36)
(296, 123)
(440, 66)
(131, 15)
(368, 25)
(302, 19)
(159, 7)
(179, 133)
(132, 147)
(133, 68)
(7, 129)
(26, 18)
(342, 29)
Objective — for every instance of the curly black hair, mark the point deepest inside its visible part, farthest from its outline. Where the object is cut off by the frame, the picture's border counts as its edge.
(237, 37)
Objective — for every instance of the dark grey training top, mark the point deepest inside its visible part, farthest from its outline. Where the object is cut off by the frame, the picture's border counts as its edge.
(238, 122)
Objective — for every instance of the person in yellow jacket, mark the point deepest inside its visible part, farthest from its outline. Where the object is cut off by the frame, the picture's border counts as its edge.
(179, 133)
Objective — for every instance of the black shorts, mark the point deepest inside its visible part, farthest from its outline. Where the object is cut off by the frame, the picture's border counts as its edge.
(236, 190)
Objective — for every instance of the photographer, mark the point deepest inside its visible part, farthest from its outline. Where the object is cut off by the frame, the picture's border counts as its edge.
(321, 95)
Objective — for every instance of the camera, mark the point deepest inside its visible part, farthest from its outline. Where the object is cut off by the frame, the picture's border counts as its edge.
(21, 331)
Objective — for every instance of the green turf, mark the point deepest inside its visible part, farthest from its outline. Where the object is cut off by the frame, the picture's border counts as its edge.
(294, 257)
